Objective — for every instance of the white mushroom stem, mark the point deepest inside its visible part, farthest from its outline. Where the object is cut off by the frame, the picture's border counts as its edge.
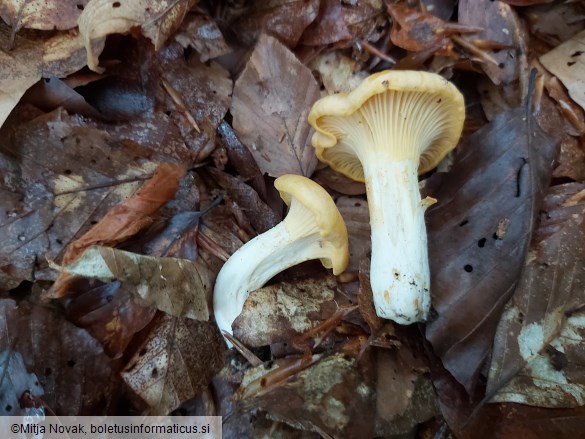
(399, 272)
(291, 242)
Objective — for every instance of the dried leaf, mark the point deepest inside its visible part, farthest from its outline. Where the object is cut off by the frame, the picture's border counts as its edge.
(500, 24)
(542, 327)
(261, 217)
(329, 397)
(70, 365)
(555, 23)
(42, 14)
(203, 34)
(571, 161)
(340, 22)
(47, 203)
(285, 20)
(108, 313)
(479, 232)
(128, 218)
(175, 286)
(567, 62)
(280, 312)
(175, 363)
(157, 20)
(271, 101)
(205, 91)
(417, 31)
(356, 215)
(14, 381)
(20, 68)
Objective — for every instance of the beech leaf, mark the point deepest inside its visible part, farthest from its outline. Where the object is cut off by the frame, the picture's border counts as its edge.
(176, 286)
(479, 232)
(176, 362)
(538, 352)
(270, 105)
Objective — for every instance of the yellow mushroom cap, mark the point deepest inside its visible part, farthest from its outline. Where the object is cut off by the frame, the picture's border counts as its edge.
(414, 115)
(316, 209)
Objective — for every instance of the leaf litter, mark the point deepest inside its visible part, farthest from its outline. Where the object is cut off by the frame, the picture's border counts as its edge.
(165, 100)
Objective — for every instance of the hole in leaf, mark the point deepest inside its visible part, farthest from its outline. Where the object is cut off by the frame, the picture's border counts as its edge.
(71, 363)
(468, 268)
(116, 5)
(142, 352)
(154, 373)
(481, 243)
(8, 408)
(570, 63)
(80, 7)
(462, 223)
(67, 171)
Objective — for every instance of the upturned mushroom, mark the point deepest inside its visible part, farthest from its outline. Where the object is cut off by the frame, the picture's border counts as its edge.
(394, 125)
(312, 229)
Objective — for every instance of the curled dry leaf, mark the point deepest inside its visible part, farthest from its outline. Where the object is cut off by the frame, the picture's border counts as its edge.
(538, 351)
(15, 381)
(280, 312)
(481, 227)
(567, 62)
(175, 363)
(175, 286)
(71, 366)
(157, 20)
(42, 14)
(271, 101)
(128, 218)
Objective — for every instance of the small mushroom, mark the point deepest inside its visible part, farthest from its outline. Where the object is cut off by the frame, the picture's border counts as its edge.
(394, 125)
(312, 229)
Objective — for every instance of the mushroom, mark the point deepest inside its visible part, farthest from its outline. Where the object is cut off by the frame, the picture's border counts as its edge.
(313, 229)
(392, 125)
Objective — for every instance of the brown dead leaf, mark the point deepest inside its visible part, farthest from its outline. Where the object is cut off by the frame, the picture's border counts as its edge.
(203, 34)
(500, 24)
(20, 68)
(108, 313)
(70, 365)
(15, 382)
(418, 31)
(271, 101)
(280, 312)
(571, 161)
(156, 19)
(175, 362)
(356, 215)
(42, 14)
(537, 350)
(329, 397)
(479, 232)
(205, 91)
(556, 22)
(260, 216)
(339, 22)
(567, 62)
(176, 286)
(285, 20)
(134, 214)
(50, 199)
